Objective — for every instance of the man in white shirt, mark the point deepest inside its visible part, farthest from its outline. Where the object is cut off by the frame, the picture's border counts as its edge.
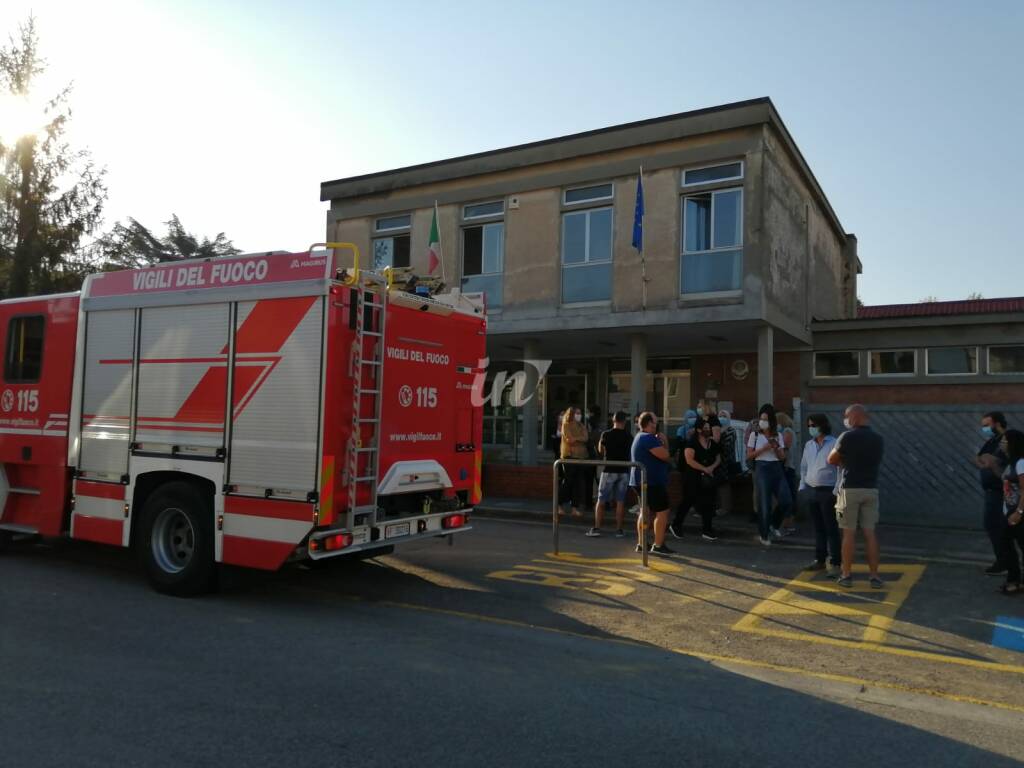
(817, 493)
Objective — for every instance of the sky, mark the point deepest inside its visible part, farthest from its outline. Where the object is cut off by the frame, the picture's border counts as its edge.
(230, 114)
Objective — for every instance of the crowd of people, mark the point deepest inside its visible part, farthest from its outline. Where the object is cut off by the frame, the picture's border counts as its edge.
(833, 481)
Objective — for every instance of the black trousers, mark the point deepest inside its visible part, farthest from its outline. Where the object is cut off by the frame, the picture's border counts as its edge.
(995, 521)
(698, 497)
(1012, 540)
(578, 487)
(820, 505)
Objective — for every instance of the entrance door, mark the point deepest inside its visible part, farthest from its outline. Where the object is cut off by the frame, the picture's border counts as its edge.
(563, 391)
(674, 399)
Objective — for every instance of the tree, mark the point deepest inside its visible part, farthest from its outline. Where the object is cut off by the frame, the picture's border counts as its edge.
(133, 245)
(928, 300)
(974, 296)
(51, 196)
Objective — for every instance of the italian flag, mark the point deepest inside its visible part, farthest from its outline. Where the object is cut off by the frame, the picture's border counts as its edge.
(433, 245)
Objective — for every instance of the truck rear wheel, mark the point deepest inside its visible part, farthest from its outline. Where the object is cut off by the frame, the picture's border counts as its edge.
(175, 544)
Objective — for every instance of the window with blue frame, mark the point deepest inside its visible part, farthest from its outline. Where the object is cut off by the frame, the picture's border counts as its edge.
(587, 255)
(483, 253)
(712, 259)
(391, 247)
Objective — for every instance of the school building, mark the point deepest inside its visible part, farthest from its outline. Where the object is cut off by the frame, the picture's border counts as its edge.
(745, 291)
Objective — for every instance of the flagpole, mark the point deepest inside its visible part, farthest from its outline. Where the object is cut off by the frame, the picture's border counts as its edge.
(643, 256)
(440, 248)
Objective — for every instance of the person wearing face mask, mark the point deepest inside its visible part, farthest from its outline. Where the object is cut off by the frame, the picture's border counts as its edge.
(766, 449)
(1012, 444)
(991, 461)
(858, 451)
(817, 493)
(685, 429)
(702, 456)
(574, 446)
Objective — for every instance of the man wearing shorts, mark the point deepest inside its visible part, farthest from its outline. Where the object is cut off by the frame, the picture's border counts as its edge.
(650, 448)
(614, 445)
(858, 452)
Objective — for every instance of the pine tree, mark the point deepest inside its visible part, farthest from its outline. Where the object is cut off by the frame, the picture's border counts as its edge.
(51, 195)
(133, 245)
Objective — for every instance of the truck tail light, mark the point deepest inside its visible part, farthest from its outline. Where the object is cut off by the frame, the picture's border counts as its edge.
(338, 541)
(330, 543)
(453, 521)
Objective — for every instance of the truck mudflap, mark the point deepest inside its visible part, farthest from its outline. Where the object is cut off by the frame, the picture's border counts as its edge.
(332, 542)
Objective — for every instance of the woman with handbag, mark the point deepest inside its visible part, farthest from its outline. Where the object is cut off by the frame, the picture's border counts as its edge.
(703, 457)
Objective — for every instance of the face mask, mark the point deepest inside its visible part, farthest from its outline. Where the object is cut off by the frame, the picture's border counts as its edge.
(813, 431)
(578, 416)
(846, 423)
(700, 411)
(764, 424)
(987, 432)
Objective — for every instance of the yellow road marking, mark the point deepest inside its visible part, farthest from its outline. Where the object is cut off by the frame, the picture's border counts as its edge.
(610, 576)
(880, 614)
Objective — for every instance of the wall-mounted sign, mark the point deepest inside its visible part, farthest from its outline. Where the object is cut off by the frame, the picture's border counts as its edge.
(739, 369)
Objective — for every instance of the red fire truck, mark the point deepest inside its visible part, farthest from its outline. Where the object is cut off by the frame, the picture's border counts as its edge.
(249, 410)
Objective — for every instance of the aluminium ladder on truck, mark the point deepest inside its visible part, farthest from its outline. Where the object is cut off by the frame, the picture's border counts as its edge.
(368, 386)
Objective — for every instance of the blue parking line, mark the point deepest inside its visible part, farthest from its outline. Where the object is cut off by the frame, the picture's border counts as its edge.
(1009, 633)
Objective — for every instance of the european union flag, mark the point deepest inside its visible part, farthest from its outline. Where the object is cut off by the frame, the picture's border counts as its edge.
(638, 215)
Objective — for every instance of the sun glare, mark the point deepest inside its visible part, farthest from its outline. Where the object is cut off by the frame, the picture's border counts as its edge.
(19, 116)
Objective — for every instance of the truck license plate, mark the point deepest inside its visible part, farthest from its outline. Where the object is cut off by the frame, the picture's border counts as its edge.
(402, 529)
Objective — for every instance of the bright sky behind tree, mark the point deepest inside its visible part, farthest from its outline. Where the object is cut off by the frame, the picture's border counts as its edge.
(230, 114)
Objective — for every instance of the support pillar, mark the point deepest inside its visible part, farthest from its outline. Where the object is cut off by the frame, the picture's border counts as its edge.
(601, 389)
(638, 375)
(765, 365)
(529, 437)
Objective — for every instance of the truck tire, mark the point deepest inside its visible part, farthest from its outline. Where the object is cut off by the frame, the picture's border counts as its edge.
(176, 541)
(5, 539)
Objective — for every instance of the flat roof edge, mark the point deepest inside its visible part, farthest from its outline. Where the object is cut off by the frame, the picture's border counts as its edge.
(355, 186)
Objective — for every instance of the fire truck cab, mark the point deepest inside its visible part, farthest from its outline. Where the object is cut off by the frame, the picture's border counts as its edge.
(248, 410)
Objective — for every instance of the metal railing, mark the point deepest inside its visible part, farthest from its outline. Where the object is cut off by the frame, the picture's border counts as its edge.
(602, 463)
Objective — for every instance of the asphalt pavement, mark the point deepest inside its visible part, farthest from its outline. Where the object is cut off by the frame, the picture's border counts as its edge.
(496, 652)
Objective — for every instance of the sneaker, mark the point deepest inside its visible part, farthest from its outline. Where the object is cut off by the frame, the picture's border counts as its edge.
(709, 537)
(833, 570)
(593, 533)
(638, 548)
(776, 534)
(876, 583)
(995, 570)
(677, 532)
(817, 565)
(620, 534)
(765, 542)
(662, 550)
(789, 531)
(845, 581)
(635, 510)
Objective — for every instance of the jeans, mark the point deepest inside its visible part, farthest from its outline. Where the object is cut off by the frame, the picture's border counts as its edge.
(1012, 534)
(771, 482)
(995, 522)
(820, 506)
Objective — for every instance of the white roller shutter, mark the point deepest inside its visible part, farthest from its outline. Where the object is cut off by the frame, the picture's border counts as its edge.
(276, 416)
(107, 392)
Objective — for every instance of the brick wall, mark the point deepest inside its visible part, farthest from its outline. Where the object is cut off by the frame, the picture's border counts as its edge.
(920, 394)
(511, 481)
(714, 372)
